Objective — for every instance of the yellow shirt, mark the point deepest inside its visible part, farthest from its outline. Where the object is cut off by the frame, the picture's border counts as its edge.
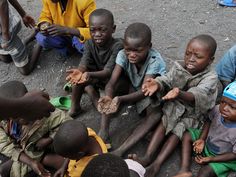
(76, 14)
(75, 168)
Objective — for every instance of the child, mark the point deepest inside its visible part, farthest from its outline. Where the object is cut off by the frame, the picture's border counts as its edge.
(12, 48)
(78, 145)
(226, 67)
(191, 91)
(215, 145)
(98, 59)
(138, 61)
(64, 25)
(106, 165)
(24, 143)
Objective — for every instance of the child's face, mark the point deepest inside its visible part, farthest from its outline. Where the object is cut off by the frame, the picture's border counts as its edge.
(101, 30)
(135, 51)
(197, 57)
(228, 109)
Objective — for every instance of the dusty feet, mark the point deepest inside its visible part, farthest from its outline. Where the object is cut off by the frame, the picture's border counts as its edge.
(144, 161)
(152, 170)
(184, 174)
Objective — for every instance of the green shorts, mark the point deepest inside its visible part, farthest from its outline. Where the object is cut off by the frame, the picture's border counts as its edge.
(221, 169)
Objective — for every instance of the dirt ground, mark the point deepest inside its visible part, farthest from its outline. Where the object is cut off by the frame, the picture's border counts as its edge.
(173, 23)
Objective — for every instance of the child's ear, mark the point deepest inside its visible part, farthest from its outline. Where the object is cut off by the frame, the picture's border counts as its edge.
(113, 28)
(211, 59)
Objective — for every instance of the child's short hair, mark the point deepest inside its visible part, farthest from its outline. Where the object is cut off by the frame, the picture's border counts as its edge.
(103, 12)
(70, 138)
(13, 89)
(106, 165)
(139, 30)
(208, 40)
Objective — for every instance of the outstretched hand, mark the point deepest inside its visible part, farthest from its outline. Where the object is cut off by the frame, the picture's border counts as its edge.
(172, 94)
(28, 21)
(202, 160)
(149, 87)
(34, 105)
(198, 146)
(74, 76)
(104, 104)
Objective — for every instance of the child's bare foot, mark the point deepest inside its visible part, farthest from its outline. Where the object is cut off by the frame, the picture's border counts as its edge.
(117, 152)
(74, 112)
(184, 174)
(144, 161)
(152, 170)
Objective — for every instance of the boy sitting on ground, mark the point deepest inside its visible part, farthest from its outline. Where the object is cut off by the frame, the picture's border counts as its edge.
(215, 145)
(78, 145)
(26, 144)
(12, 47)
(63, 25)
(189, 91)
(98, 60)
(138, 61)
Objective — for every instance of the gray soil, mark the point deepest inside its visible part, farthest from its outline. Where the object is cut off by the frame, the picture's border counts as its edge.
(173, 23)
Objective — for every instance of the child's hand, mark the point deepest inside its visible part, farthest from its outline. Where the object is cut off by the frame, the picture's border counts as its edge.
(198, 146)
(57, 30)
(149, 87)
(114, 106)
(38, 168)
(28, 21)
(202, 160)
(74, 76)
(172, 94)
(43, 143)
(84, 78)
(104, 104)
(60, 172)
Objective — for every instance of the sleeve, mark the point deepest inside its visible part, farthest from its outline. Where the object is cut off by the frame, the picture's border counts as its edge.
(89, 7)
(226, 67)
(111, 62)
(7, 147)
(87, 57)
(55, 120)
(213, 113)
(205, 93)
(121, 59)
(45, 13)
(157, 67)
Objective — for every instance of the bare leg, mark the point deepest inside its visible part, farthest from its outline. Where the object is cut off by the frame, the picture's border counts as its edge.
(5, 168)
(155, 143)
(165, 152)
(93, 94)
(77, 92)
(53, 160)
(27, 69)
(30, 38)
(104, 127)
(186, 156)
(143, 128)
(206, 171)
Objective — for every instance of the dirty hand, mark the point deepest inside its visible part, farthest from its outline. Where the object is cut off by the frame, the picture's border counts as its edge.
(114, 106)
(202, 160)
(84, 78)
(172, 94)
(38, 168)
(74, 76)
(34, 105)
(198, 146)
(28, 21)
(104, 104)
(149, 87)
(57, 30)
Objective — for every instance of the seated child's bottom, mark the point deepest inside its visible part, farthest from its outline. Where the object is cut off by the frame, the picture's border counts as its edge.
(62, 44)
(221, 169)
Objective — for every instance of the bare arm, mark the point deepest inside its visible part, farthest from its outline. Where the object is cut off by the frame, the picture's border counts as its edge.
(103, 74)
(109, 90)
(4, 18)
(187, 96)
(223, 157)
(18, 7)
